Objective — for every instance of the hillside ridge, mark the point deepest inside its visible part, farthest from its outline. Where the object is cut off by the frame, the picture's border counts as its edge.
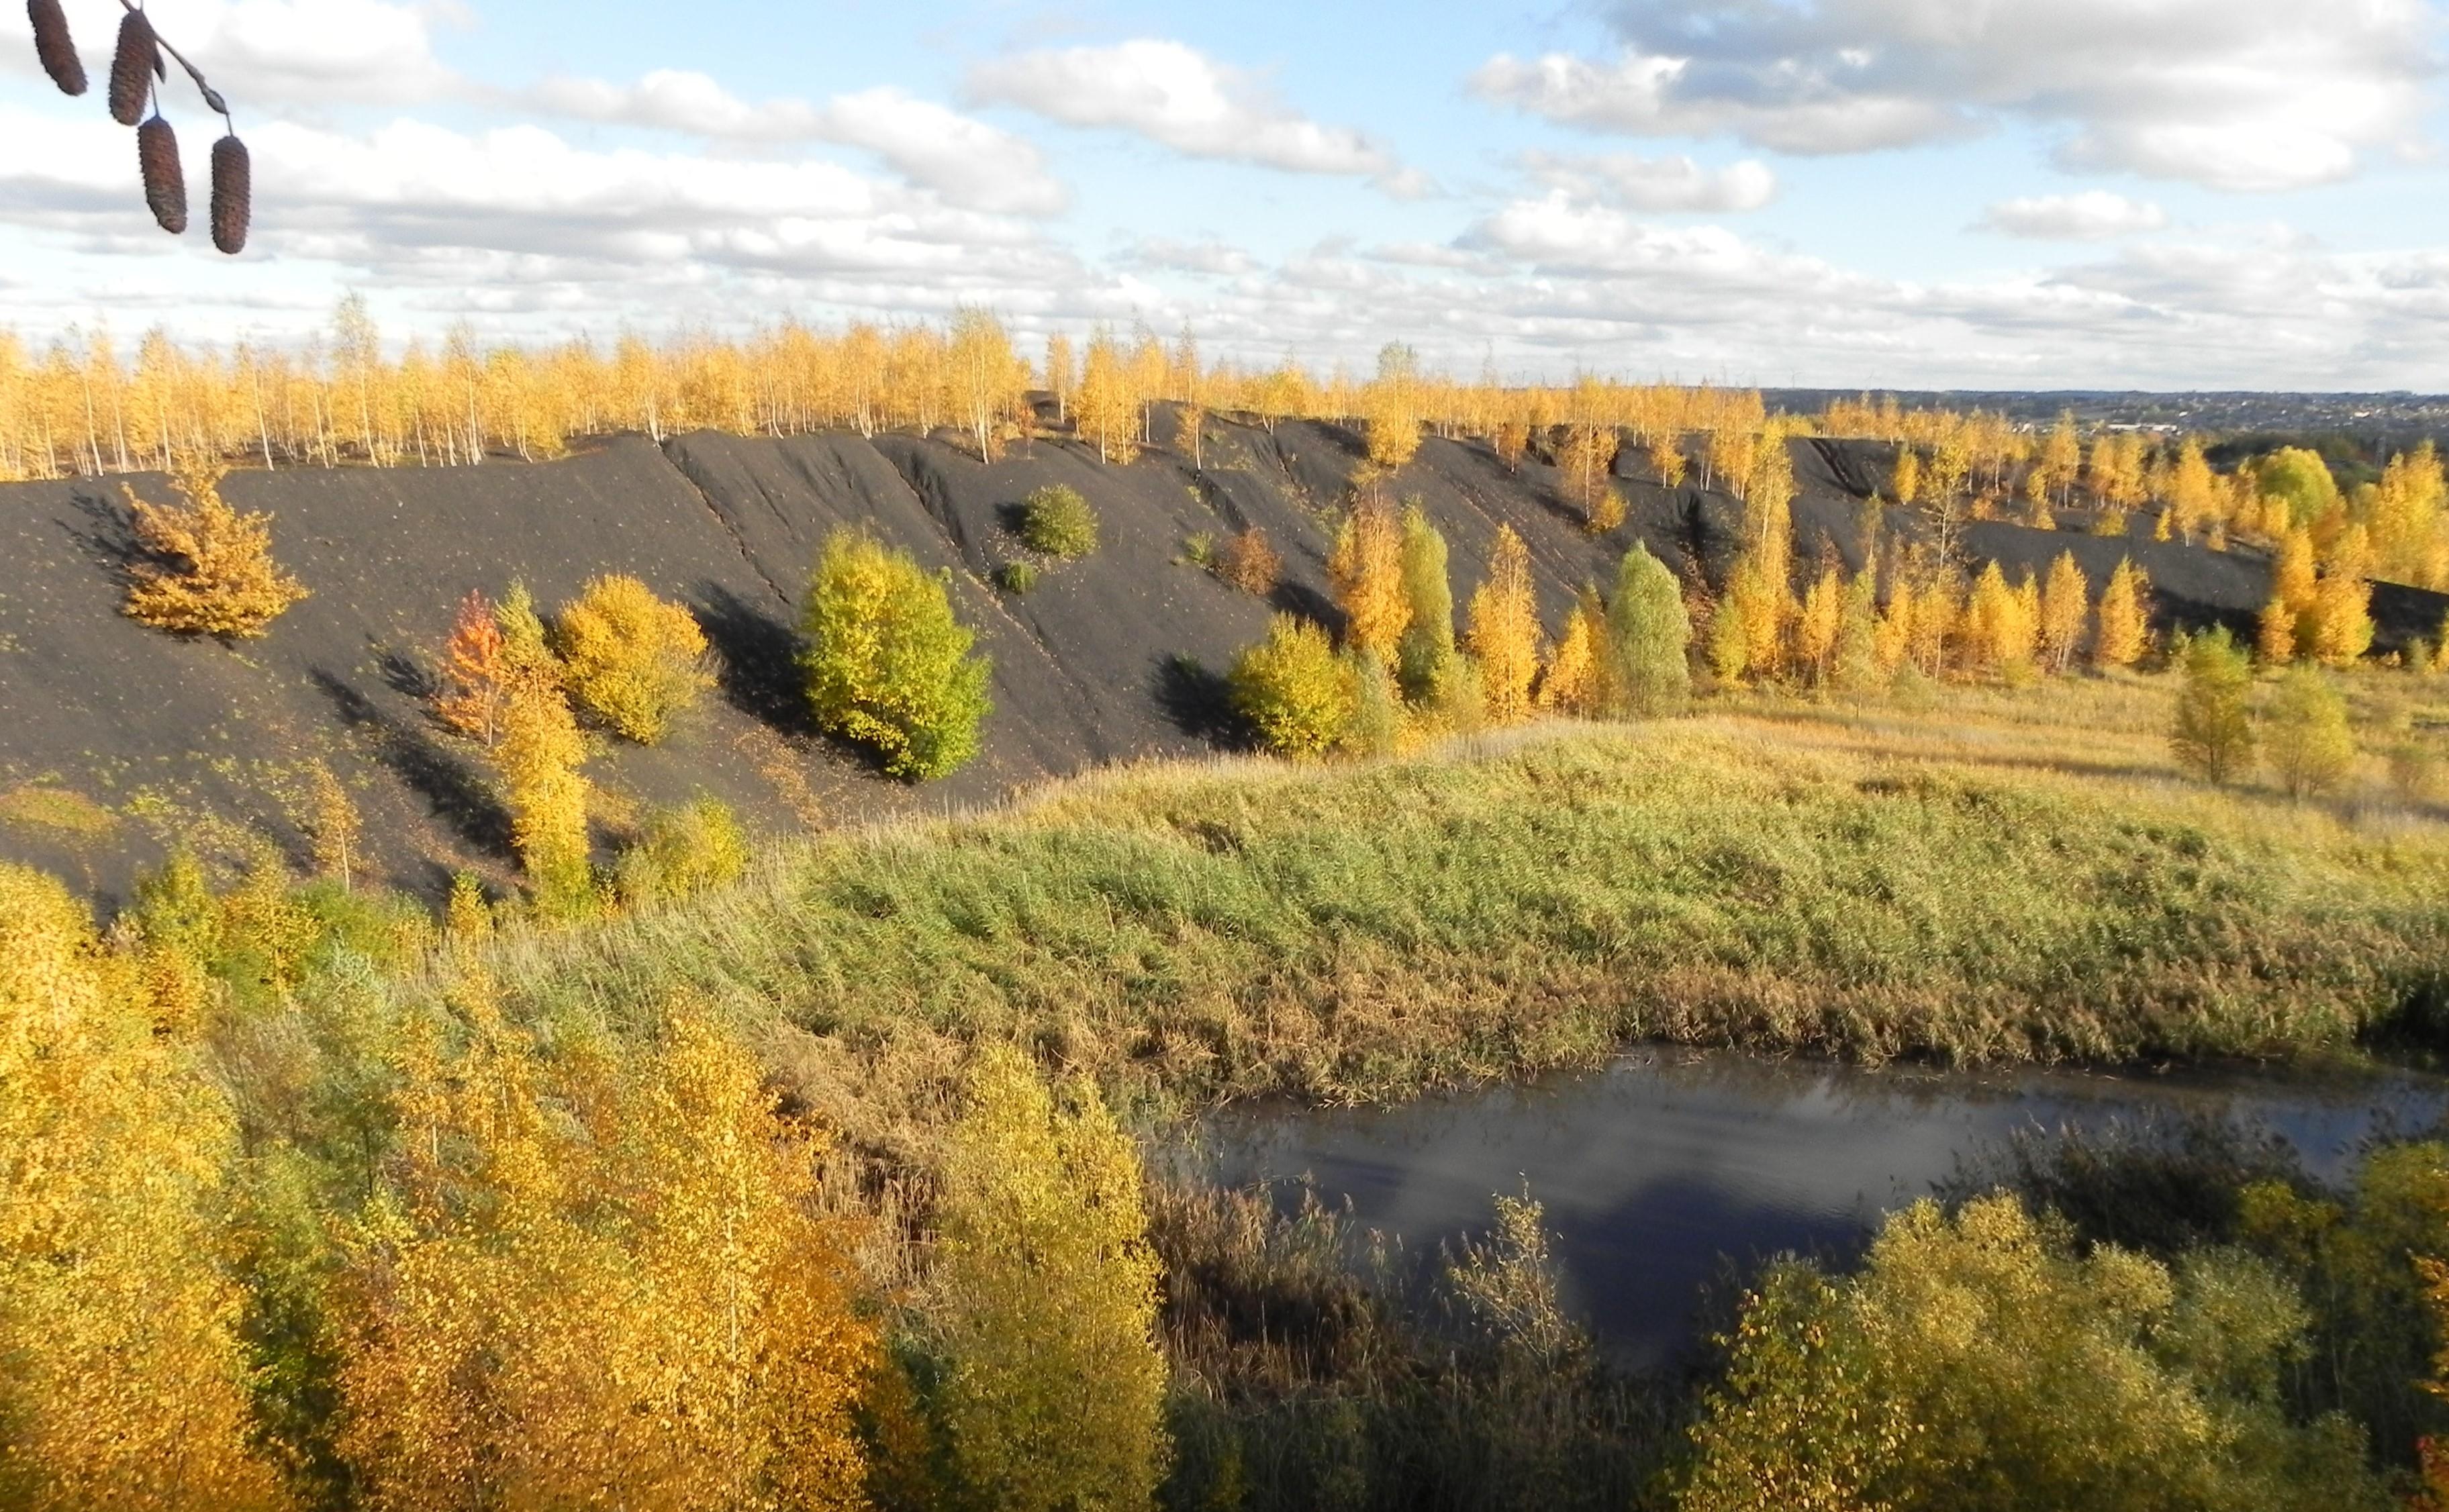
(121, 740)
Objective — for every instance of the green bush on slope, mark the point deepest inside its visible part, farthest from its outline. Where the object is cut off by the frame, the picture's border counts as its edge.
(888, 665)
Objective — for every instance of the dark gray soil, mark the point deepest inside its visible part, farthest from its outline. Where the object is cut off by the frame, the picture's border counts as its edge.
(1117, 655)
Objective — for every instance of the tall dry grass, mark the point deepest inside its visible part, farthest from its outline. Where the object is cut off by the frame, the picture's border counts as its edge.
(1863, 883)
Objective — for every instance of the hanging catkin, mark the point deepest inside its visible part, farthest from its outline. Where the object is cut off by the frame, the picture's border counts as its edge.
(132, 67)
(232, 194)
(54, 46)
(165, 184)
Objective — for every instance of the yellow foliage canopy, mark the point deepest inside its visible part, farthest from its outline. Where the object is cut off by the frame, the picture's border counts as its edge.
(1367, 574)
(598, 1283)
(1504, 630)
(1049, 1296)
(125, 1384)
(2123, 628)
(631, 659)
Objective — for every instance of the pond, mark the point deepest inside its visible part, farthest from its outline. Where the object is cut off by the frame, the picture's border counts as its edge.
(1657, 1170)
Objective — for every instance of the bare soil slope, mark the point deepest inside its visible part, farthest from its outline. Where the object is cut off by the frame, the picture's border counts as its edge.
(116, 740)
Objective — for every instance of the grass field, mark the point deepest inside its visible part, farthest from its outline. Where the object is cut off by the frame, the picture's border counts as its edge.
(1988, 878)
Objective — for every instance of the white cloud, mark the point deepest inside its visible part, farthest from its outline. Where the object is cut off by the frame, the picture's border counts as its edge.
(411, 195)
(967, 160)
(1559, 234)
(2093, 216)
(1175, 95)
(263, 54)
(2244, 95)
(1655, 185)
(1434, 255)
(964, 160)
(678, 100)
(1211, 256)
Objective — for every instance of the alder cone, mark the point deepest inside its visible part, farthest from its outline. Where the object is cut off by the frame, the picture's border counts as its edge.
(132, 67)
(54, 46)
(233, 195)
(166, 183)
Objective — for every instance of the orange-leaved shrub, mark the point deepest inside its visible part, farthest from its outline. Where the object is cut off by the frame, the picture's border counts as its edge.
(475, 671)
(1250, 562)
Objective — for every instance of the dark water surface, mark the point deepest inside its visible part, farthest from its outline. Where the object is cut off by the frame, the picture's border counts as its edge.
(1655, 1169)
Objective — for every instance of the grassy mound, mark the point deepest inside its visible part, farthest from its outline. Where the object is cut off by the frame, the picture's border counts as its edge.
(1352, 933)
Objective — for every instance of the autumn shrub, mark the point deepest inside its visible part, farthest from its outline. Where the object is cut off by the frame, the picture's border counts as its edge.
(125, 1384)
(2066, 610)
(1366, 571)
(205, 569)
(684, 850)
(2364, 1256)
(475, 670)
(1058, 521)
(1579, 677)
(1046, 1298)
(1292, 688)
(630, 659)
(1981, 1361)
(887, 663)
(208, 952)
(594, 1278)
(1250, 562)
(467, 913)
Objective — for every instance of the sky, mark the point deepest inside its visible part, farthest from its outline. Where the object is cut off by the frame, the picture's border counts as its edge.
(1868, 194)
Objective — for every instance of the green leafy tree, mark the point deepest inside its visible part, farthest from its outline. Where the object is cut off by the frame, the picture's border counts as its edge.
(1980, 1362)
(2303, 479)
(1376, 728)
(887, 663)
(1293, 689)
(1650, 631)
(2365, 1258)
(2306, 740)
(2212, 733)
(1053, 1395)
